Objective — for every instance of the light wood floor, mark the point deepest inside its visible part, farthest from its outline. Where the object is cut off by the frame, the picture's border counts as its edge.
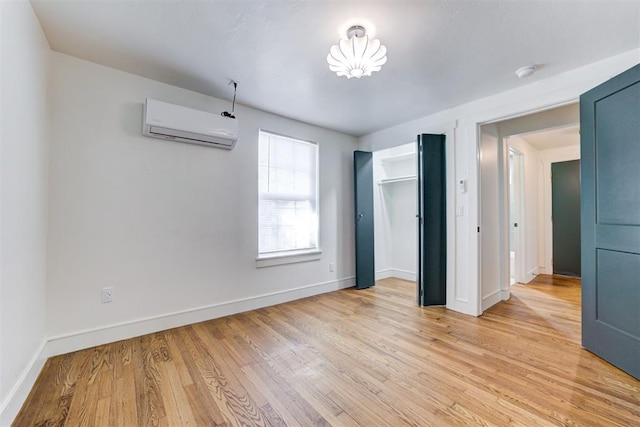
(369, 358)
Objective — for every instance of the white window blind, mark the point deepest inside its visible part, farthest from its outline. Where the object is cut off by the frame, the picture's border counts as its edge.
(288, 195)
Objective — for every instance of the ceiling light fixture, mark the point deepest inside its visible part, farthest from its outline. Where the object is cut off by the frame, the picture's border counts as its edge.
(358, 55)
(526, 71)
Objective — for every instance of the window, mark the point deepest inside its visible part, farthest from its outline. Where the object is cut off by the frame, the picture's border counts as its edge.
(288, 196)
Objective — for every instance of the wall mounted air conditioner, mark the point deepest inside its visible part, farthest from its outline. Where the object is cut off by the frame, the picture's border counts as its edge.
(177, 123)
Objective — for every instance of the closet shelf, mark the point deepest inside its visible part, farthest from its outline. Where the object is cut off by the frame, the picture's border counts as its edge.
(397, 179)
(399, 158)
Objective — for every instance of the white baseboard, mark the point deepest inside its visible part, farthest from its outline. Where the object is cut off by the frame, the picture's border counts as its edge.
(394, 272)
(104, 335)
(14, 401)
(531, 274)
(491, 299)
(384, 274)
(404, 274)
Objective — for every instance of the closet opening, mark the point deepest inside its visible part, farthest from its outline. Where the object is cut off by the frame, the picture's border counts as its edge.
(395, 208)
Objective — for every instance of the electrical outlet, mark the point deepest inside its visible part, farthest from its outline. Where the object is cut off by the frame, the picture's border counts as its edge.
(107, 294)
(332, 267)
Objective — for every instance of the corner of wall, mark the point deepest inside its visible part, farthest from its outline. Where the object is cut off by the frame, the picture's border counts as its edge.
(10, 407)
(24, 66)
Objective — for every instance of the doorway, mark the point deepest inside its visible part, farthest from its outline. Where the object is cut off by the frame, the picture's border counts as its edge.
(452, 191)
(417, 212)
(514, 157)
(394, 199)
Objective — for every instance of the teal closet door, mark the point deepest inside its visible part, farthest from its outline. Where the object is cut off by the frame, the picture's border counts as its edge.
(365, 254)
(432, 222)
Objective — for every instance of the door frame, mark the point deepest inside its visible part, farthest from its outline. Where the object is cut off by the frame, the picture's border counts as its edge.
(503, 217)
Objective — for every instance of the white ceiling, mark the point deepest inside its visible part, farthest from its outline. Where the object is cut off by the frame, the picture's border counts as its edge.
(440, 53)
(554, 138)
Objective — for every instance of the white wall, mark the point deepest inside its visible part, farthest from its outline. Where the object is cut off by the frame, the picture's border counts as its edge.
(383, 239)
(395, 213)
(171, 226)
(404, 229)
(463, 291)
(24, 54)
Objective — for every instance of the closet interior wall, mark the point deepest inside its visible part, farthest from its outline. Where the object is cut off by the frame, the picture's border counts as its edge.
(394, 199)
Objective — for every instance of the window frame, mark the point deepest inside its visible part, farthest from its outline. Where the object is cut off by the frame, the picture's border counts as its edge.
(268, 259)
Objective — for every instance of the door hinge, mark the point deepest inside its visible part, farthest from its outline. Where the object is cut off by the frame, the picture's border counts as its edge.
(478, 229)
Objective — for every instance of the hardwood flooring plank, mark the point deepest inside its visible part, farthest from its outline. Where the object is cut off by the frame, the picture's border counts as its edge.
(214, 381)
(82, 361)
(174, 398)
(273, 392)
(242, 405)
(150, 408)
(102, 411)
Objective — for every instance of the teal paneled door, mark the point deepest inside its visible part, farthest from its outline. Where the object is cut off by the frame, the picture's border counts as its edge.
(565, 211)
(365, 255)
(432, 224)
(610, 185)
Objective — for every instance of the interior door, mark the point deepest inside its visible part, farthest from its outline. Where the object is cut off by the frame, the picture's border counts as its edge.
(565, 211)
(432, 226)
(365, 254)
(610, 152)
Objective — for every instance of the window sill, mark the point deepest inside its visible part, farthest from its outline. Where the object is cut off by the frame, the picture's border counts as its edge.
(290, 258)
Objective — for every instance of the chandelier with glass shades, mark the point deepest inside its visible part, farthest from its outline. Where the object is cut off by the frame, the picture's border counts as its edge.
(358, 55)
